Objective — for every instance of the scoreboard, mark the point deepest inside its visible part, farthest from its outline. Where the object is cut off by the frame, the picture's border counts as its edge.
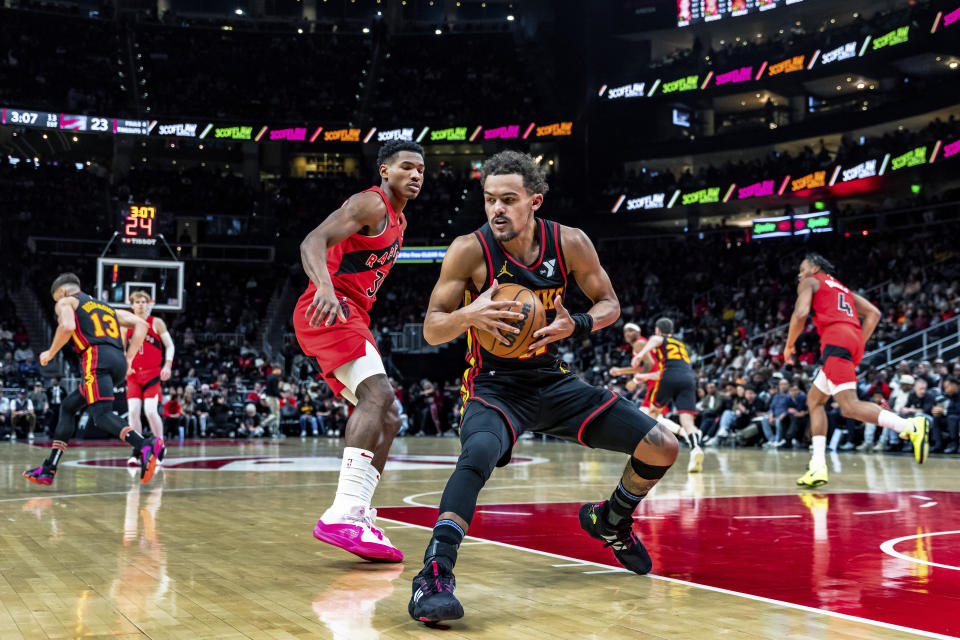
(138, 224)
(695, 11)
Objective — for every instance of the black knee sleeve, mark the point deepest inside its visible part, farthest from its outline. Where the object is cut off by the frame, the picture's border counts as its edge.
(104, 417)
(647, 471)
(479, 456)
(67, 422)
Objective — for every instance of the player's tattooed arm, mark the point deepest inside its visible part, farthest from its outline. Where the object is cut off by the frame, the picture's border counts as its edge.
(444, 321)
(363, 211)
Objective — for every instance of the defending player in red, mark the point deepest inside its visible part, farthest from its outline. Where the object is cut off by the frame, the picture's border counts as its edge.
(347, 259)
(842, 338)
(143, 386)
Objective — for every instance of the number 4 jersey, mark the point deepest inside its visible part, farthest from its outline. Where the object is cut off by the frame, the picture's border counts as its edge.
(833, 304)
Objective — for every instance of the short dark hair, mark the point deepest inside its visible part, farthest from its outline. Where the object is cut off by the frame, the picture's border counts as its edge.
(820, 262)
(665, 325)
(64, 279)
(508, 163)
(390, 150)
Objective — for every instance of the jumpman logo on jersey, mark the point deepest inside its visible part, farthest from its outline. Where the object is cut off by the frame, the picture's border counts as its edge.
(503, 271)
(548, 268)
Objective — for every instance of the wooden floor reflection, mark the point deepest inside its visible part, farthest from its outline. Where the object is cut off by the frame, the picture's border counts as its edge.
(219, 545)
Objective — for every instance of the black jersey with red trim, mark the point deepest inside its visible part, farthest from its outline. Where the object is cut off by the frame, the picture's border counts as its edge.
(672, 354)
(96, 324)
(546, 277)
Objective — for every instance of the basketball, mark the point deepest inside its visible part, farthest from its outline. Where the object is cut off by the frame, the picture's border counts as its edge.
(534, 318)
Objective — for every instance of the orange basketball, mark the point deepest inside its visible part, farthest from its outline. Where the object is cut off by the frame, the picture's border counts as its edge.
(534, 318)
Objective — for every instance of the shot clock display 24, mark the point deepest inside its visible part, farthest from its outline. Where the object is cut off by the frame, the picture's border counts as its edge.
(138, 224)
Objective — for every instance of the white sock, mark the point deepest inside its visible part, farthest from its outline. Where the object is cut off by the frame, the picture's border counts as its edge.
(891, 420)
(670, 424)
(819, 451)
(358, 480)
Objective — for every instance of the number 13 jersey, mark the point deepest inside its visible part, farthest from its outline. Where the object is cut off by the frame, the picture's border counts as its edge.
(96, 324)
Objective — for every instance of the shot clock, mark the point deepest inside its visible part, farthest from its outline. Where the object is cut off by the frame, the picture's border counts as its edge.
(138, 224)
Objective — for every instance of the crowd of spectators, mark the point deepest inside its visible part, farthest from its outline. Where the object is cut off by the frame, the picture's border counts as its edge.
(777, 164)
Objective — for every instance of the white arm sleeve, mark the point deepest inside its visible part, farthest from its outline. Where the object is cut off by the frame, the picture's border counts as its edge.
(168, 348)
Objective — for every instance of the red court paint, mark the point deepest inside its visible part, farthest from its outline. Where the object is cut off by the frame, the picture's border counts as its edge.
(823, 552)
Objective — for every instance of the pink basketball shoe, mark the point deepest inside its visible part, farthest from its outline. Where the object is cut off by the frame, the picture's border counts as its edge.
(356, 532)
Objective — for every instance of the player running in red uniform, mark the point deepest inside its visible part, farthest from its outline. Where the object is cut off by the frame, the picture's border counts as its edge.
(143, 386)
(837, 317)
(347, 258)
(94, 330)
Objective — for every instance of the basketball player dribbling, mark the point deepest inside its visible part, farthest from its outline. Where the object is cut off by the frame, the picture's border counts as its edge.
(93, 328)
(347, 257)
(674, 384)
(842, 338)
(143, 386)
(504, 397)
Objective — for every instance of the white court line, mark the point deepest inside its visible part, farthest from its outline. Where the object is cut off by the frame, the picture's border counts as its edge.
(474, 542)
(505, 513)
(928, 504)
(761, 517)
(888, 548)
(921, 497)
(609, 571)
(781, 603)
(573, 564)
(868, 513)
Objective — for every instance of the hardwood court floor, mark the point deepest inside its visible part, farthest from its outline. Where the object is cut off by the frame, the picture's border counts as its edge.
(219, 545)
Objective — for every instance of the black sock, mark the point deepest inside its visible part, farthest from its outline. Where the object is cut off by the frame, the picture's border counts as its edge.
(57, 450)
(447, 536)
(621, 505)
(133, 438)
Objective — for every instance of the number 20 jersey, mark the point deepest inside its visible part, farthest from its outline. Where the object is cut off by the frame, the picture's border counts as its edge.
(833, 303)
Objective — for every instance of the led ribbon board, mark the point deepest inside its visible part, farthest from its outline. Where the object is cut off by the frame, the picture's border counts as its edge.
(233, 133)
(911, 158)
(786, 66)
(176, 129)
(634, 90)
(952, 17)
(866, 169)
(895, 37)
(507, 132)
(951, 149)
(555, 130)
(652, 201)
(342, 135)
(844, 52)
(27, 118)
(452, 134)
(293, 134)
(785, 226)
(811, 181)
(681, 84)
(703, 196)
(743, 74)
(756, 190)
(420, 255)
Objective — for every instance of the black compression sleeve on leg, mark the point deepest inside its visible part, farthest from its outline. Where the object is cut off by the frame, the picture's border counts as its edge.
(647, 471)
(479, 456)
(67, 424)
(102, 413)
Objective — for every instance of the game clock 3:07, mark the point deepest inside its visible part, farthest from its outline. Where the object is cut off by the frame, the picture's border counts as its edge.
(137, 220)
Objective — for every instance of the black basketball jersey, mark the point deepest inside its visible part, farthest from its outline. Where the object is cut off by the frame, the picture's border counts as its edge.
(546, 277)
(97, 324)
(673, 354)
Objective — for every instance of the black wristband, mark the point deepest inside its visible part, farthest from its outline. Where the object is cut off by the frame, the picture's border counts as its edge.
(583, 325)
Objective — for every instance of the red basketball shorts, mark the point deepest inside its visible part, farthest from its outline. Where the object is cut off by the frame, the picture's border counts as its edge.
(841, 349)
(144, 383)
(336, 345)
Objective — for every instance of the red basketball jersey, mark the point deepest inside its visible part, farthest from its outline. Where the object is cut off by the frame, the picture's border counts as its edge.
(833, 303)
(360, 264)
(150, 355)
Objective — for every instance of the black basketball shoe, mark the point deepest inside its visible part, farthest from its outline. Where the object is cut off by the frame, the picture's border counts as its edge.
(433, 598)
(628, 549)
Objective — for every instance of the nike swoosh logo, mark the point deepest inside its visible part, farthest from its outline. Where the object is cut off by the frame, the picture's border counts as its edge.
(363, 455)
